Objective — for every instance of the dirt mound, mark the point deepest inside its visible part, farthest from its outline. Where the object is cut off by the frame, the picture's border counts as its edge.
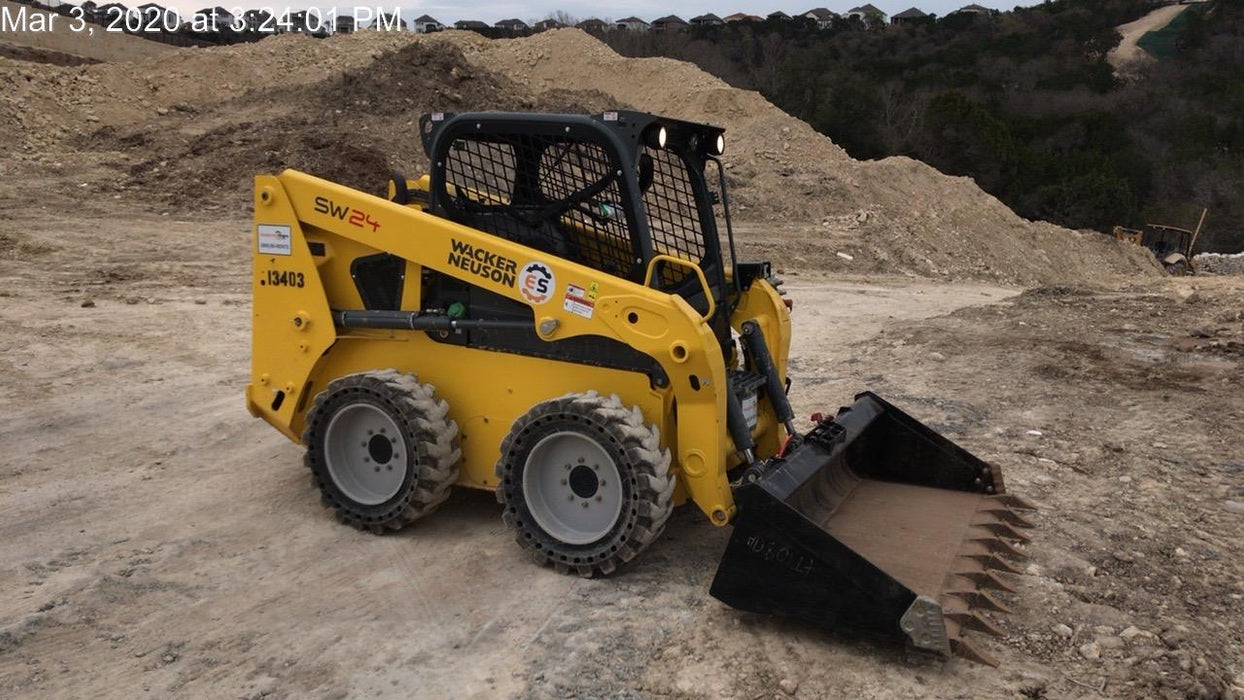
(345, 108)
(355, 128)
(895, 214)
(1220, 263)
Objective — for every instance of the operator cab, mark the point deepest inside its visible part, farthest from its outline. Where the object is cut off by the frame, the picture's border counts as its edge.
(615, 192)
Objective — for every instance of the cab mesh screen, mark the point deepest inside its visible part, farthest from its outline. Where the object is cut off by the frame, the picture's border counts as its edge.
(560, 196)
(673, 217)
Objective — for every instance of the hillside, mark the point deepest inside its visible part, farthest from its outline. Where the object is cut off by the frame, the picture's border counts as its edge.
(345, 108)
(1025, 102)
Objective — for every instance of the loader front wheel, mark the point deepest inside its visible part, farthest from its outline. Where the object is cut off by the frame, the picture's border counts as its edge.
(380, 449)
(585, 484)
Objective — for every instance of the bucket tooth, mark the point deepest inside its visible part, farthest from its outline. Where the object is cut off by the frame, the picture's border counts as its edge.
(997, 546)
(974, 622)
(961, 648)
(979, 600)
(985, 579)
(993, 562)
(1012, 501)
(1006, 515)
(1002, 530)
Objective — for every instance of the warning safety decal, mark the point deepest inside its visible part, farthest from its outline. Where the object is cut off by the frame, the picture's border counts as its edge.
(577, 301)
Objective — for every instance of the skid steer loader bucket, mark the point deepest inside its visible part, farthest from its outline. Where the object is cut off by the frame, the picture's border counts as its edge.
(876, 522)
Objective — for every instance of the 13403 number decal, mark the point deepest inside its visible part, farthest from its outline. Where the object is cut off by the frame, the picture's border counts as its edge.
(282, 278)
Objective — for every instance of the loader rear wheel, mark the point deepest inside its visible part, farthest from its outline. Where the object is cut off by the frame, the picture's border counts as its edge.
(380, 449)
(585, 484)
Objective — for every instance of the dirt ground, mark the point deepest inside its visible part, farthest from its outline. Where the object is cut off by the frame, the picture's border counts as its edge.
(159, 542)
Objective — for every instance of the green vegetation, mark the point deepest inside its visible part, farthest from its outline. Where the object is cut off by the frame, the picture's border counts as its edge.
(1164, 43)
(1023, 101)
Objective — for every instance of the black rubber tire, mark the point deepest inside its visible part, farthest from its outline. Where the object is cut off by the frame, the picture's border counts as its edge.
(431, 467)
(636, 449)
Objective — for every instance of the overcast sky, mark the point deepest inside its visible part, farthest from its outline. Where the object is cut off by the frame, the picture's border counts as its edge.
(490, 11)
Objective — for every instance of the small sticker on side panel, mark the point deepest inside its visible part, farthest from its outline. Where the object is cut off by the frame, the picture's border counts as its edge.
(274, 240)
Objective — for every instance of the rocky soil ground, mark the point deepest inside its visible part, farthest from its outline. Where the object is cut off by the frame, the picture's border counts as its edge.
(157, 541)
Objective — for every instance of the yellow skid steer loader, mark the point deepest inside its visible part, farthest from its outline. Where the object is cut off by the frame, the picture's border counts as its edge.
(550, 314)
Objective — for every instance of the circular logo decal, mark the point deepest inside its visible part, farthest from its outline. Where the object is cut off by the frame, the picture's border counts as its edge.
(536, 282)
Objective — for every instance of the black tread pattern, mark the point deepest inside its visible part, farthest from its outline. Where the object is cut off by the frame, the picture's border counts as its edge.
(433, 464)
(644, 466)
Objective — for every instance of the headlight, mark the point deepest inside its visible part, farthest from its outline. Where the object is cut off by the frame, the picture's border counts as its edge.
(656, 136)
(719, 145)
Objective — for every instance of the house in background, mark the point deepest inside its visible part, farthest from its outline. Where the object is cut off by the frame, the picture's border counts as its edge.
(303, 22)
(669, 23)
(708, 20)
(107, 13)
(869, 14)
(736, 17)
(824, 18)
(216, 19)
(389, 21)
(912, 16)
(427, 23)
(633, 24)
(593, 25)
(472, 25)
(546, 24)
(156, 17)
(512, 25)
(342, 24)
(259, 21)
(779, 15)
(973, 10)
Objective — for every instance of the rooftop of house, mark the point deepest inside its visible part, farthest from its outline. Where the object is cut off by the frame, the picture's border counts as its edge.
(869, 9)
(820, 13)
(913, 13)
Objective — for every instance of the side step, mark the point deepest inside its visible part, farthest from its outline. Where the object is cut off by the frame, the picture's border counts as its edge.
(876, 522)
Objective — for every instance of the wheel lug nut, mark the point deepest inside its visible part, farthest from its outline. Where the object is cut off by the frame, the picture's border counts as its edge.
(365, 459)
(585, 504)
(393, 440)
(382, 430)
(570, 497)
(370, 431)
(563, 482)
(598, 498)
(390, 467)
(377, 468)
(364, 444)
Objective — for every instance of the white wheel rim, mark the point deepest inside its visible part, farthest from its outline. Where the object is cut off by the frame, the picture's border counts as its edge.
(572, 487)
(365, 454)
